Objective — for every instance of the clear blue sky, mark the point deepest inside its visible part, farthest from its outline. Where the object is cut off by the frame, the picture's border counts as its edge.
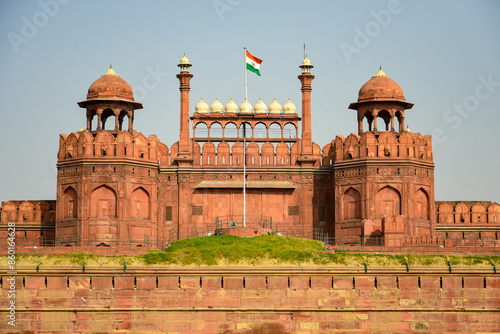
(444, 54)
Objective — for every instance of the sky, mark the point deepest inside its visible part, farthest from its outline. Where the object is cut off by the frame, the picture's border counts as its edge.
(444, 54)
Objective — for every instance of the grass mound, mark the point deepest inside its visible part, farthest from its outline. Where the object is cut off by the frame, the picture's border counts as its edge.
(226, 249)
(278, 250)
(266, 250)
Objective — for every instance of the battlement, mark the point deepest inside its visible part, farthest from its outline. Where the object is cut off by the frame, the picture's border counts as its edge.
(108, 145)
(29, 212)
(266, 154)
(449, 212)
(405, 145)
(34, 220)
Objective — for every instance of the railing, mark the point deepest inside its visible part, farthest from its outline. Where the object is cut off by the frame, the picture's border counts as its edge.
(113, 246)
(405, 244)
(237, 221)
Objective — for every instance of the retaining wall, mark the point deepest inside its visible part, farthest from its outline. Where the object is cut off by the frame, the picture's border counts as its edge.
(253, 300)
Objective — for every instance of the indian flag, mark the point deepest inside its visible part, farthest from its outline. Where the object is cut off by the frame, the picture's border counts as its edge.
(253, 63)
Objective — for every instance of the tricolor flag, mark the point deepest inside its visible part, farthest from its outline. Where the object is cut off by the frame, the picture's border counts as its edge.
(253, 63)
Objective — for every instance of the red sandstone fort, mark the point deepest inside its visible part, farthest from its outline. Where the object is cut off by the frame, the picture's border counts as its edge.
(116, 186)
(115, 183)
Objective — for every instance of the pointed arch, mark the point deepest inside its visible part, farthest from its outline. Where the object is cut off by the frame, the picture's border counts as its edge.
(103, 202)
(140, 204)
(421, 206)
(69, 203)
(351, 204)
(387, 202)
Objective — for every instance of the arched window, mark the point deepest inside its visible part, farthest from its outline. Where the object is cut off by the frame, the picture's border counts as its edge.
(230, 130)
(201, 130)
(248, 129)
(216, 130)
(289, 131)
(384, 114)
(260, 130)
(274, 130)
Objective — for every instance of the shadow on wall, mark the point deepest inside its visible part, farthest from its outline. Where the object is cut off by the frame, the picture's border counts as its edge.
(275, 328)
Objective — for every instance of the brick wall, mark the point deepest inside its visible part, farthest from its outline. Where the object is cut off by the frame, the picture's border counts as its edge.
(254, 300)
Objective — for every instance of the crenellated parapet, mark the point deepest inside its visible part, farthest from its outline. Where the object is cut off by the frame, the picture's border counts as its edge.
(463, 213)
(258, 154)
(108, 146)
(33, 220)
(384, 145)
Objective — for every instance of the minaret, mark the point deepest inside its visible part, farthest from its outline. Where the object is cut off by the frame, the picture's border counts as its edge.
(306, 79)
(184, 79)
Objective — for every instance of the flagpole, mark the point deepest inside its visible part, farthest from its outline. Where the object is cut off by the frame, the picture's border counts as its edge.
(245, 144)
(245, 68)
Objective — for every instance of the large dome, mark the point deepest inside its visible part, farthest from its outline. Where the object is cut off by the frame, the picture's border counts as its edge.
(110, 86)
(380, 87)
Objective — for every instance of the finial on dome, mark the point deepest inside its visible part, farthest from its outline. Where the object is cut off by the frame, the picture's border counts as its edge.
(380, 73)
(110, 71)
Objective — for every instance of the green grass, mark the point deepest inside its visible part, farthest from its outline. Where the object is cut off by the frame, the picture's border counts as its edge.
(226, 249)
(277, 250)
(267, 250)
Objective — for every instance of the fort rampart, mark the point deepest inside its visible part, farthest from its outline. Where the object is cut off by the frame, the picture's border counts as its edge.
(254, 300)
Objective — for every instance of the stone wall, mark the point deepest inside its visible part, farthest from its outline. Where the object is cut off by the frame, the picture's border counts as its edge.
(254, 300)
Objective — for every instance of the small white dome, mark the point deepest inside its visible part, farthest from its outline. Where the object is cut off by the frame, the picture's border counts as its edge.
(231, 107)
(275, 107)
(216, 107)
(201, 107)
(260, 107)
(184, 60)
(246, 108)
(289, 107)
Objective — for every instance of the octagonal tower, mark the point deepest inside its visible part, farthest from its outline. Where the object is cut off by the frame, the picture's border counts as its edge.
(384, 178)
(107, 179)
